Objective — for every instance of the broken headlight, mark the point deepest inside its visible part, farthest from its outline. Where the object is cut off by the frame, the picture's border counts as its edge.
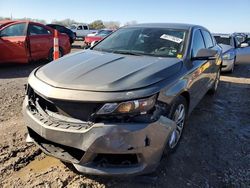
(134, 106)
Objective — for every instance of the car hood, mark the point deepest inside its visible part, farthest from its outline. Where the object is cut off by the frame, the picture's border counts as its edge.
(226, 48)
(101, 71)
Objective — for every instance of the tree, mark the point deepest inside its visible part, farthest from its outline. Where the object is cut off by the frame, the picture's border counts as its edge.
(66, 22)
(112, 25)
(133, 22)
(97, 24)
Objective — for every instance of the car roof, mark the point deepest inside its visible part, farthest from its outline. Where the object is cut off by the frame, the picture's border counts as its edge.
(105, 29)
(6, 22)
(167, 25)
(222, 34)
(55, 25)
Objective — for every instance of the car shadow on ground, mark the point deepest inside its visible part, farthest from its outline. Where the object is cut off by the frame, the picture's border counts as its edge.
(15, 70)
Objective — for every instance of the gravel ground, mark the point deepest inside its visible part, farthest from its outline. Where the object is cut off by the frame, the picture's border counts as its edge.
(214, 150)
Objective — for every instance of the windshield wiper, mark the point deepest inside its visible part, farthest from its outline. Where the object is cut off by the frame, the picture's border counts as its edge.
(126, 52)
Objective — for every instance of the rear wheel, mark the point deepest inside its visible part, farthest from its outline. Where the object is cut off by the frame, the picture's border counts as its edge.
(51, 54)
(178, 113)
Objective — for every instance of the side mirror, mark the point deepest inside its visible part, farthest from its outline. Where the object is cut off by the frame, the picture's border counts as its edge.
(243, 45)
(205, 54)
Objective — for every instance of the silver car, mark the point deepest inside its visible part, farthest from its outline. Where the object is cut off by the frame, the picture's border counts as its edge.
(234, 49)
(243, 51)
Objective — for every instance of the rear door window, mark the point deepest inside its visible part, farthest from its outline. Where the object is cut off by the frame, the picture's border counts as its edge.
(38, 30)
(14, 30)
(198, 42)
(208, 39)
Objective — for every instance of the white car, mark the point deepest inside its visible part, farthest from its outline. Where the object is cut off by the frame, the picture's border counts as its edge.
(81, 30)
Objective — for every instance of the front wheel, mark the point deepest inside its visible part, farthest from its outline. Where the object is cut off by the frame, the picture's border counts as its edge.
(178, 114)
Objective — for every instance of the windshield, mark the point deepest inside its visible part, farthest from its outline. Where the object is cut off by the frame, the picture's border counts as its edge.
(160, 42)
(223, 40)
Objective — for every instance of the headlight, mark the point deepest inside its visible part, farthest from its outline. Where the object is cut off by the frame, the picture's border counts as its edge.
(228, 55)
(135, 106)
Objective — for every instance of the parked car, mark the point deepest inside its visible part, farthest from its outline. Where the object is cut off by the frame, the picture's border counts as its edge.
(233, 49)
(97, 31)
(124, 102)
(243, 50)
(229, 45)
(93, 33)
(65, 30)
(97, 37)
(25, 41)
(81, 30)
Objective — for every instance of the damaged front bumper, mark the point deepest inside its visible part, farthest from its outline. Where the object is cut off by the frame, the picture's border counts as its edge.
(101, 148)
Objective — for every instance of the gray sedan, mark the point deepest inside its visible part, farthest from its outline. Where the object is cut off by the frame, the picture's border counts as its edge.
(120, 106)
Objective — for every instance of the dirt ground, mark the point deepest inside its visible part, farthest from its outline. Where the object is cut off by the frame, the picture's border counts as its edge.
(214, 150)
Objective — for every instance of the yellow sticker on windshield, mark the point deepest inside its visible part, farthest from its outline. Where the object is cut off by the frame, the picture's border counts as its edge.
(179, 56)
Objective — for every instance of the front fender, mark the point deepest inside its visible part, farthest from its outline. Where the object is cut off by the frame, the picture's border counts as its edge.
(168, 94)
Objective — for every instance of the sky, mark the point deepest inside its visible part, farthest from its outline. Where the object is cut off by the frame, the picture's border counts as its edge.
(225, 16)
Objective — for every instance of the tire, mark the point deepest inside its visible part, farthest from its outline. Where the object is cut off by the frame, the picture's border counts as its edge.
(178, 113)
(50, 57)
(213, 90)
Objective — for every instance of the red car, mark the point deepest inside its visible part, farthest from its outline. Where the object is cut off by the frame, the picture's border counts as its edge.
(97, 37)
(25, 41)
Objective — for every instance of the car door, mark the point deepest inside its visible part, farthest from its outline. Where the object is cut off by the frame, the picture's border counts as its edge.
(40, 41)
(13, 43)
(80, 31)
(242, 53)
(210, 67)
(196, 76)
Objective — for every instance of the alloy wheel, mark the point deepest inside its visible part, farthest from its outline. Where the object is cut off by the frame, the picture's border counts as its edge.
(179, 118)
